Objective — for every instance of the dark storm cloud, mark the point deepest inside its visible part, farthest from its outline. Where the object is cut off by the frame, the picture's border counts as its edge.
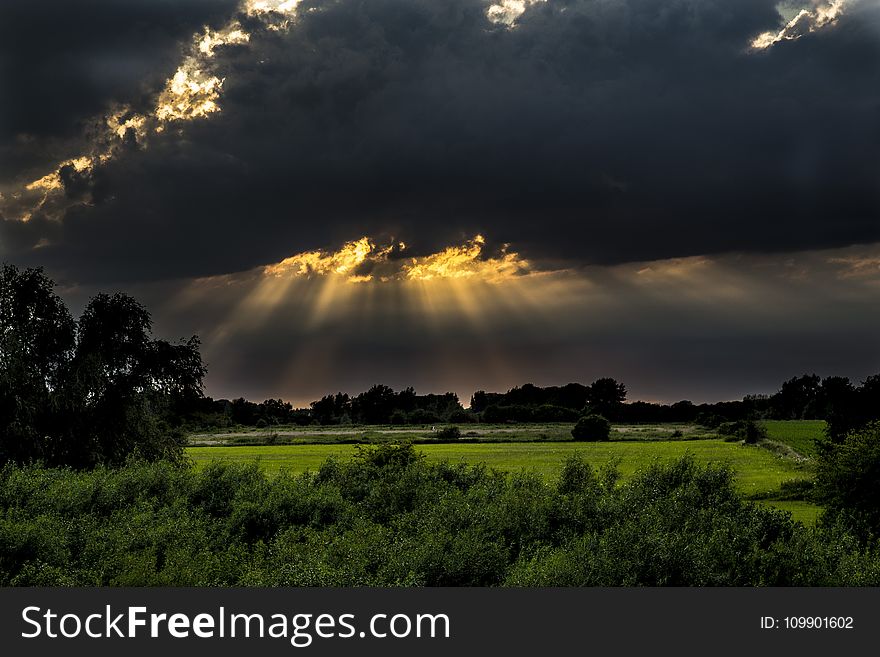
(593, 132)
(61, 62)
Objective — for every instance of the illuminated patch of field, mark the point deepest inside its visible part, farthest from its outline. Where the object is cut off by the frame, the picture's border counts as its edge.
(804, 512)
(758, 471)
(800, 435)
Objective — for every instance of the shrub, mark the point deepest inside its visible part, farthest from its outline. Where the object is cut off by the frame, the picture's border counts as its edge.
(449, 433)
(387, 517)
(748, 431)
(848, 481)
(592, 427)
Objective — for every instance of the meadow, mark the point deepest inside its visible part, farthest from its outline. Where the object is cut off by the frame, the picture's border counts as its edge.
(759, 472)
(800, 435)
(502, 433)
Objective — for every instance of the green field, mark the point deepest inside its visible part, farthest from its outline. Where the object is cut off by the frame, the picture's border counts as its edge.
(800, 435)
(759, 472)
(541, 448)
(500, 433)
(805, 512)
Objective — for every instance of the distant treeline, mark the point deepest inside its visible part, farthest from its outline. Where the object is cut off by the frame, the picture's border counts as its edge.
(838, 400)
(100, 389)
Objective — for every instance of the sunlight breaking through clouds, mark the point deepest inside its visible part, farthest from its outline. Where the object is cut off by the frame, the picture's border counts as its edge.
(361, 261)
(506, 12)
(804, 22)
(296, 328)
(191, 93)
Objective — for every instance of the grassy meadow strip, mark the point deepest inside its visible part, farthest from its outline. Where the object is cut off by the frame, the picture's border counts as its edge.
(502, 433)
(800, 435)
(757, 470)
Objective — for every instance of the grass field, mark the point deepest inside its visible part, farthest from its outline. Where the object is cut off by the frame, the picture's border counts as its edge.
(800, 435)
(538, 447)
(502, 433)
(758, 470)
(805, 512)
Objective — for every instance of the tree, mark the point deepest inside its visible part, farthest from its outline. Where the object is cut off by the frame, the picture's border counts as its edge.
(848, 481)
(124, 391)
(35, 325)
(93, 392)
(37, 336)
(330, 408)
(797, 398)
(481, 400)
(592, 427)
(375, 405)
(605, 396)
(837, 404)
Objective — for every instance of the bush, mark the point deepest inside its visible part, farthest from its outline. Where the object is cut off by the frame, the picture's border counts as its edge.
(387, 517)
(592, 427)
(748, 431)
(449, 433)
(848, 481)
(461, 416)
(421, 416)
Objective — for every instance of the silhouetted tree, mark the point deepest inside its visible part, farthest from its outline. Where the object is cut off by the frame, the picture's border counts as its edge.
(481, 400)
(123, 389)
(37, 336)
(330, 408)
(837, 403)
(374, 406)
(605, 396)
(95, 392)
(797, 398)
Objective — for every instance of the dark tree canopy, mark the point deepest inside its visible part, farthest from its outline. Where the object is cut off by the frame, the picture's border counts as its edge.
(848, 480)
(605, 396)
(97, 391)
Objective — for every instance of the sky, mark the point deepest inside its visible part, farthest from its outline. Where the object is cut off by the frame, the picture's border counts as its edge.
(458, 194)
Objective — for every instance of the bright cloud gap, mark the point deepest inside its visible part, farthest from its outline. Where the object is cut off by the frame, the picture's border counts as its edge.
(804, 22)
(192, 92)
(363, 260)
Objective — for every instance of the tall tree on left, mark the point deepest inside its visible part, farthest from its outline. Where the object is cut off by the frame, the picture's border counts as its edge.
(98, 391)
(37, 338)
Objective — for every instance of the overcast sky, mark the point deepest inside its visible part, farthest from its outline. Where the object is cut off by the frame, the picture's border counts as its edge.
(682, 194)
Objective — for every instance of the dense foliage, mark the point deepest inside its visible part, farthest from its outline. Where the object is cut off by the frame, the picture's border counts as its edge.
(844, 405)
(96, 391)
(592, 427)
(848, 481)
(386, 517)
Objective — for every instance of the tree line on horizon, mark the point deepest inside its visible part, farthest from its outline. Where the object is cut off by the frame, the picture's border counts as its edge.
(101, 389)
(843, 404)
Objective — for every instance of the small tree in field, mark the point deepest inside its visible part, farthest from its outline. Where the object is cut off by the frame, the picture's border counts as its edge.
(592, 427)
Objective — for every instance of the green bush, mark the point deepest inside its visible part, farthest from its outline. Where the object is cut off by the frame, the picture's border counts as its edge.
(748, 431)
(592, 427)
(386, 517)
(449, 433)
(848, 481)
